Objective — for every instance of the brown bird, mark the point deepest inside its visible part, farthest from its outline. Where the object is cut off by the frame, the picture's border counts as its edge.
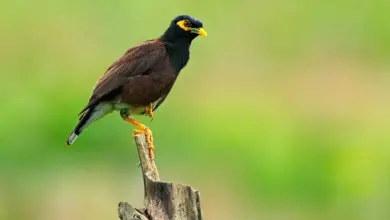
(140, 80)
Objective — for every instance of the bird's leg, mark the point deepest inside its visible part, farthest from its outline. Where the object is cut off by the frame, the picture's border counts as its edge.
(141, 129)
(149, 111)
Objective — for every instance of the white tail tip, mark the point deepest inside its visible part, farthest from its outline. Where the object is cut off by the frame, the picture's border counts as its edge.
(72, 137)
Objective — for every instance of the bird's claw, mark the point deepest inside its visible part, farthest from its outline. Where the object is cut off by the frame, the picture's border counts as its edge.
(149, 140)
(149, 111)
(142, 129)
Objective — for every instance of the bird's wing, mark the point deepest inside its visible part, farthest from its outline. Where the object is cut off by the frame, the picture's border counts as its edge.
(137, 61)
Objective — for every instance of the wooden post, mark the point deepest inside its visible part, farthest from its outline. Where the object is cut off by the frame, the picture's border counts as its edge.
(162, 200)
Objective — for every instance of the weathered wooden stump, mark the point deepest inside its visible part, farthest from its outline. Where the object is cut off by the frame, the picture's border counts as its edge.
(162, 200)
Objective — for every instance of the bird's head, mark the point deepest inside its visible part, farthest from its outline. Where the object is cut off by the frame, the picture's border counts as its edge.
(184, 27)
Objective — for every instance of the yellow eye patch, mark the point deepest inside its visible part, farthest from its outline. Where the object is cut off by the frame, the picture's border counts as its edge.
(182, 26)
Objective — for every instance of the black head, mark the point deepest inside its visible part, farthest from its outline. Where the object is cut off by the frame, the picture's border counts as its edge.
(184, 28)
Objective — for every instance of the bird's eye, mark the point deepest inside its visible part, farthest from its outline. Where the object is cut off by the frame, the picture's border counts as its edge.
(187, 23)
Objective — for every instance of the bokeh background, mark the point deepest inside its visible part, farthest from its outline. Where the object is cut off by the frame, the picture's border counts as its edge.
(283, 111)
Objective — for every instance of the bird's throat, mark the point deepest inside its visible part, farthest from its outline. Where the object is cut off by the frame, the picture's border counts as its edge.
(179, 55)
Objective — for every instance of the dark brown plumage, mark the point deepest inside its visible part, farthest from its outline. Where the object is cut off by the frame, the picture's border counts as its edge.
(139, 81)
(138, 78)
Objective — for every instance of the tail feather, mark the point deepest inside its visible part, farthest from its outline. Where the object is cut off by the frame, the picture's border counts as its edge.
(88, 116)
(79, 127)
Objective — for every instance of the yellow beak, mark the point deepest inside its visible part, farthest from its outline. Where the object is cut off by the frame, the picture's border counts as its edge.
(199, 31)
(202, 32)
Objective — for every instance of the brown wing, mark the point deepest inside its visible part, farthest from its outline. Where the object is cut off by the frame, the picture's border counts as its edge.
(137, 61)
(147, 89)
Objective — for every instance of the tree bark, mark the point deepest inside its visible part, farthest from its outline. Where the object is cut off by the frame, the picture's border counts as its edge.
(162, 200)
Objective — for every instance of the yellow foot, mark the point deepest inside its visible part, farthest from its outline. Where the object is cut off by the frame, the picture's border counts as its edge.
(142, 129)
(149, 139)
(149, 111)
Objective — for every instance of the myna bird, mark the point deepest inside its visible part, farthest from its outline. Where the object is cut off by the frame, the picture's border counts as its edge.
(140, 80)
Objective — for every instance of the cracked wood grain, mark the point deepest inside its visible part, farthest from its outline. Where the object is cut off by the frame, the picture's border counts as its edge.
(162, 200)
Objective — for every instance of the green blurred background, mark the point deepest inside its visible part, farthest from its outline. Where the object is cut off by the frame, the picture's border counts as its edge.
(281, 113)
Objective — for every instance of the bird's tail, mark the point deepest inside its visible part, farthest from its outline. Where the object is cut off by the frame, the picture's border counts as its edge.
(79, 126)
(90, 115)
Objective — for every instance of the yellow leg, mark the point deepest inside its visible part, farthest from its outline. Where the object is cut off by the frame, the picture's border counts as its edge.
(142, 129)
(149, 111)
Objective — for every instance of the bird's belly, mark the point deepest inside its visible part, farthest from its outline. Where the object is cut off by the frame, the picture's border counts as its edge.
(139, 110)
(134, 110)
(120, 105)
